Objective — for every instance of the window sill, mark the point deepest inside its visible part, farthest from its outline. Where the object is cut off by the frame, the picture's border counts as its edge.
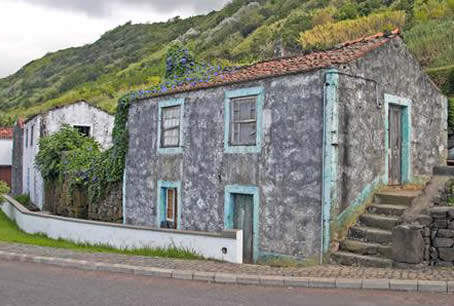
(242, 149)
(175, 150)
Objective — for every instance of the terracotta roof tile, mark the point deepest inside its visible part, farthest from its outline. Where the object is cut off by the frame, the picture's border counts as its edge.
(6, 133)
(341, 54)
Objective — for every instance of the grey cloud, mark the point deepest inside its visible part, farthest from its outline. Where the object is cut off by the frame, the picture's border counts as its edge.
(102, 8)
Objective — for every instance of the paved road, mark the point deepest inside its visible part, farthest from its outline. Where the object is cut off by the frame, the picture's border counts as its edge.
(24, 284)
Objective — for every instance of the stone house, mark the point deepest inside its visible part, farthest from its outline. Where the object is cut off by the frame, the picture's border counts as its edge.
(284, 149)
(6, 153)
(90, 120)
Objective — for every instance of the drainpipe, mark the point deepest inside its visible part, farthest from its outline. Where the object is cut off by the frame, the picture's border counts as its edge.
(329, 155)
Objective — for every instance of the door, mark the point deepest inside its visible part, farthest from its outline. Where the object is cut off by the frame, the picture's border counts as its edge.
(395, 144)
(243, 219)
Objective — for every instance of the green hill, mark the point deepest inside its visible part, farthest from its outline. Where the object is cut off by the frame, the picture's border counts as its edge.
(131, 56)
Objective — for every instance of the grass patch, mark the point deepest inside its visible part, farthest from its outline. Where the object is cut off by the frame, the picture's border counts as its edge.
(10, 232)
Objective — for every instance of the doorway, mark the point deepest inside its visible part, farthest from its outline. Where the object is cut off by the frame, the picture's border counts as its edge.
(397, 140)
(243, 206)
(395, 145)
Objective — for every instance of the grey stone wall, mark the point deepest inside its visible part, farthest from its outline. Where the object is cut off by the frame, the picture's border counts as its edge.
(362, 131)
(287, 171)
(18, 147)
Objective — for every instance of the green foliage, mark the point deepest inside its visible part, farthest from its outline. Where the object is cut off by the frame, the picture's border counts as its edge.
(444, 78)
(425, 10)
(451, 115)
(66, 152)
(6, 120)
(178, 60)
(10, 232)
(4, 189)
(24, 199)
(432, 42)
(349, 10)
(327, 35)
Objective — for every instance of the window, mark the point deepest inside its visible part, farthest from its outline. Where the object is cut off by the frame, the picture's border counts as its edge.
(26, 137)
(171, 204)
(170, 127)
(82, 129)
(243, 120)
(31, 135)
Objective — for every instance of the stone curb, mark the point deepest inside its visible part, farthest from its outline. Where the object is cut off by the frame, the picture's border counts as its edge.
(241, 279)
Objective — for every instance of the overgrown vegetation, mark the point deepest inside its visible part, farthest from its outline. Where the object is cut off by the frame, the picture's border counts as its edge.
(9, 232)
(131, 56)
(4, 189)
(329, 34)
(67, 153)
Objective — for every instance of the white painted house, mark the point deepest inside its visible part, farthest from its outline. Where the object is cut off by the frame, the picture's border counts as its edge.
(6, 154)
(81, 115)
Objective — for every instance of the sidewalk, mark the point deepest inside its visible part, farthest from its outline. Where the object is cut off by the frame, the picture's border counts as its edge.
(326, 276)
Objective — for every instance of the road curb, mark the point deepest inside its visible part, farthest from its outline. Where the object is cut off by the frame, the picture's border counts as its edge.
(240, 279)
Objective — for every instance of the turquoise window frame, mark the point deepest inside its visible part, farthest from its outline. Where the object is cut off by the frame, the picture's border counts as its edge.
(161, 207)
(406, 165)
(170, 103)
(229, 95)
(229, 207)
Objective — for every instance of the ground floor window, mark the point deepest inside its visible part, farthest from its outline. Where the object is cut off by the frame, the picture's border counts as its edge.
(168, 208)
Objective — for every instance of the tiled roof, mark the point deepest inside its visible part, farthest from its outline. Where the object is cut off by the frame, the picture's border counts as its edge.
(6, 133)
(341, 54)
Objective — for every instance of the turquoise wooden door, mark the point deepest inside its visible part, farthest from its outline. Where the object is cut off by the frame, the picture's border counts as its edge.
(243, 219)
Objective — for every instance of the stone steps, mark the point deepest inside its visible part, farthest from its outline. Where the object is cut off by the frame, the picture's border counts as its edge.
(352, 259)
(366, 248)
(369, 242)
(370, 234)
(397, 198)
(378, 221)
(387, 209)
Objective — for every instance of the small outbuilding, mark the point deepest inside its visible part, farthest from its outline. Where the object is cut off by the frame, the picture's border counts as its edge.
(88, 119)
(284, 149)
(6, 154)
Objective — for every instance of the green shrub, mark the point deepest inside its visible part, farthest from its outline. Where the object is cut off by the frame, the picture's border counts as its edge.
(24, 199)
(444, 78)
(66, 152)
(4, 189)
(451, 115)
(330, 34)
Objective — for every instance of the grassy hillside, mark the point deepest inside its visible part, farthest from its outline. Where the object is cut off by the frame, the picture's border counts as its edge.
(131, 56)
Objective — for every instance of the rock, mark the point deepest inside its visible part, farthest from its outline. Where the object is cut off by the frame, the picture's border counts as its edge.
(427, 252)
(433, 234)
(445, 233)
(433, 253)
(436, 200)
(443, 242)
(440, 223)
(451, 214)
(439, 212)
(446, 254)
(441, 263)
(427, 240)
(424, 220)
(408, 244)
(426, 232)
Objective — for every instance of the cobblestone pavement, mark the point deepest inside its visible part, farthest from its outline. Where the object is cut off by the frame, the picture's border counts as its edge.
(328, 271)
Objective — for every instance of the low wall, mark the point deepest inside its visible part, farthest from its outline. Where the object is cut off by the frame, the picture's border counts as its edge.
(226, 246)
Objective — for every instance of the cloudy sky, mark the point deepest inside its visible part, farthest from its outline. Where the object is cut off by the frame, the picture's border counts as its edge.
(31, 28)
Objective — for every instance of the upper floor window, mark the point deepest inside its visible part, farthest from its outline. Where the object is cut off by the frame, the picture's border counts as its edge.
(32, 132)
(243, 120)
(170, 126)
(83, 129)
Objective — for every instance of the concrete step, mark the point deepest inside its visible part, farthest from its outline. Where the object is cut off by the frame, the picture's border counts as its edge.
(396, 197)
(370, 234)
(387, 209)
(352, 259)
(377, 221)
(366, 248)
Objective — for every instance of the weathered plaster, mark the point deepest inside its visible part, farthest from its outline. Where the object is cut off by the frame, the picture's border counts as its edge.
(287, 169)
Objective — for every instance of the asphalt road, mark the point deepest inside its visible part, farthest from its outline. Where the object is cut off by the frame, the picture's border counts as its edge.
(27, 284)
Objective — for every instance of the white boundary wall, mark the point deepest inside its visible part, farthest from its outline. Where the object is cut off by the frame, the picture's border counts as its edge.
(208, 245)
